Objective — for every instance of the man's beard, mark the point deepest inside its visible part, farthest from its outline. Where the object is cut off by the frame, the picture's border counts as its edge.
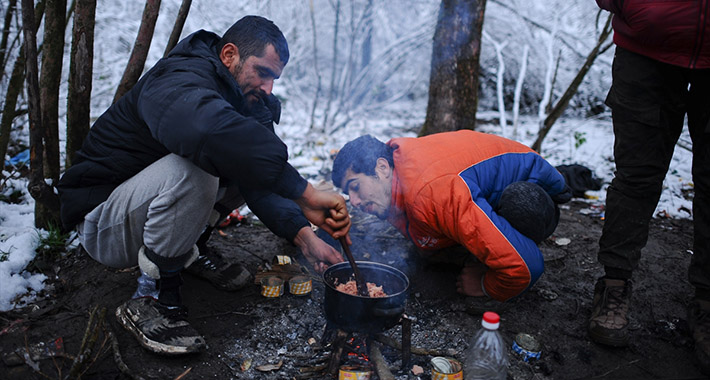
(252, 97)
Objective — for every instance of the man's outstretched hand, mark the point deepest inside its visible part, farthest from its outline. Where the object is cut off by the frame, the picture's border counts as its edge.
(319, 253)
(327, 210)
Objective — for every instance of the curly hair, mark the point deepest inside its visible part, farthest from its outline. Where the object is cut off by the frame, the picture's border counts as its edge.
(360, 156)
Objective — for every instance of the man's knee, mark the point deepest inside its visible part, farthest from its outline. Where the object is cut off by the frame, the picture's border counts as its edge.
(529, 209)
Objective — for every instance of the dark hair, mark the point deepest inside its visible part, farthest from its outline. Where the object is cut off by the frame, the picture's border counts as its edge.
(360, 156)
(251, 34)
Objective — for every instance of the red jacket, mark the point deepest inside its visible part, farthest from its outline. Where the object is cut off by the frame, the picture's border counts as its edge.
(676, 32)
(444, 190)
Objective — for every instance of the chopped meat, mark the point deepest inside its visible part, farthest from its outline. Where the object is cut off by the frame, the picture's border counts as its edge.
(350, 287)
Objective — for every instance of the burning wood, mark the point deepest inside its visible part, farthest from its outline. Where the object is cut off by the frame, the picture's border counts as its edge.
(350, 287)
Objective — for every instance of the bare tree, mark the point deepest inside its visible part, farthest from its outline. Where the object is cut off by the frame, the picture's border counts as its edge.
(134, 68)
(37, 187)
(564, 100)
(177, 28)
(4, 52)
(519, 89)
(14, 88)
(500, 82)
(453, 83)
(80, 74)
(49, 81)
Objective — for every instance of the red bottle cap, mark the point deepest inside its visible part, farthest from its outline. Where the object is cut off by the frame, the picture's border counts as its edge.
(490, 320)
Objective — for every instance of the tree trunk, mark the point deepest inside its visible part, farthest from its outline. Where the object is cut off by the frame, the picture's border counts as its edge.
(134, 68)
(4, 53)
(453, 82)
(179, 24)
(80, 74)
(14, 88)
(564, 100)
(50, 78)
(38, 188)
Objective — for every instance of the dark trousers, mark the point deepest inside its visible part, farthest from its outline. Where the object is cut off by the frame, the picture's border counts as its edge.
(649, 101)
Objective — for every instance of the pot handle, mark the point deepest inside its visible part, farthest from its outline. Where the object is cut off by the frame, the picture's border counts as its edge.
(388, 312)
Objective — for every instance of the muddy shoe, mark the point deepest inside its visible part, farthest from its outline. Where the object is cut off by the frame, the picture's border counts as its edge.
(699, 322)
(225, 276)
(609, 323)
(160, 329)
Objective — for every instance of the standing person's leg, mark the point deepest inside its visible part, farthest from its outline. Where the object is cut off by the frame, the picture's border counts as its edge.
(699, 270)
(647, 101)
(153, 220)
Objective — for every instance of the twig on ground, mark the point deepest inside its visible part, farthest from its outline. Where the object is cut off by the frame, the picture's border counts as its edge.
(383, 372)
(91, 333)
(224, 313)
(182, 375)
(384, 339)
(119, 361)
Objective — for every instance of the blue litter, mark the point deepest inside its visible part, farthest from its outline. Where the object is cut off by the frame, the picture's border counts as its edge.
(20, 158)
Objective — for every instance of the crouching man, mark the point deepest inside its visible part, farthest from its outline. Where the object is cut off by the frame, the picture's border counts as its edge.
(493, 196)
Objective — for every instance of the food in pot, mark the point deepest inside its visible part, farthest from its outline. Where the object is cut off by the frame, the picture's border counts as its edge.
(350, 287)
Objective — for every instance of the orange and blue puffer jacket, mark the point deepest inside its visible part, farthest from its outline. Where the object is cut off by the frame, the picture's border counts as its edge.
(444, 190)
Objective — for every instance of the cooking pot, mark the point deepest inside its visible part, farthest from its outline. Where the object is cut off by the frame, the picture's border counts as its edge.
(355, 313)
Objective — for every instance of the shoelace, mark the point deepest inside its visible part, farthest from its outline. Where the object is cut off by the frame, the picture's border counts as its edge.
(613, 297)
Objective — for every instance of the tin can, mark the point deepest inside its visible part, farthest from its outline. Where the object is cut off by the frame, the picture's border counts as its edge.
(443, 368)
(526, 346)
(272, 287)
(300, 285)
(354, 372)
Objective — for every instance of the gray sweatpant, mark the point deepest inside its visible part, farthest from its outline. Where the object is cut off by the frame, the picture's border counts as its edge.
(164, 207)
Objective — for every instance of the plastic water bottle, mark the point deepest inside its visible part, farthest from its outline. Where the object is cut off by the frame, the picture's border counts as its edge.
(486, 355)
(146, 287)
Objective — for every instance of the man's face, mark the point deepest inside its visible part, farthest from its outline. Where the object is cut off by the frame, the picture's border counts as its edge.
(371, 194)
(256, 75)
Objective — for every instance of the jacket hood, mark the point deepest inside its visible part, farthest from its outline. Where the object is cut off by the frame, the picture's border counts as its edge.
(198, 44)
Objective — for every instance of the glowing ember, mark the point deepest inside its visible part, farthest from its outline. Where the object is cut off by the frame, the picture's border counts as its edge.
(350, 287)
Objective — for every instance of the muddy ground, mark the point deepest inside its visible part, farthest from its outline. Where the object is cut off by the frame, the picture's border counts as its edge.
(251, 337)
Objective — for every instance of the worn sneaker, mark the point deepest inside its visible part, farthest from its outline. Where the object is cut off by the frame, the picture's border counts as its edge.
(699, 322)
(160, 329)
(609, 322)
(226, 276)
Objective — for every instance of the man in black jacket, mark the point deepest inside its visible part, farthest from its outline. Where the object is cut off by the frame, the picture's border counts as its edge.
(192, 140)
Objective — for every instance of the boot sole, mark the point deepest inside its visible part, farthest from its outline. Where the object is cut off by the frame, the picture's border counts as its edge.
(147, 343)
(605, 339)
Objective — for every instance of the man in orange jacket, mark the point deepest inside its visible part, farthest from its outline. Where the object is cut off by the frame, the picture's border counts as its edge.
(494, 196)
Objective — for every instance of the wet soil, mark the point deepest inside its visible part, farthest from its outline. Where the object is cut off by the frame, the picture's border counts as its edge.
(252, 337)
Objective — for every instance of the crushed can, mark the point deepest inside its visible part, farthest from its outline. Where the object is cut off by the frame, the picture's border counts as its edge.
(526, 346)
(443, 368)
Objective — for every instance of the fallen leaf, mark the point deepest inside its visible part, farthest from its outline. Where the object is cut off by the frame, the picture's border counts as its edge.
(246, 364)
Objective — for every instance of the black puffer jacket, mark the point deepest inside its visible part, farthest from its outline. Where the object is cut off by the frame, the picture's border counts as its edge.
(190, 105)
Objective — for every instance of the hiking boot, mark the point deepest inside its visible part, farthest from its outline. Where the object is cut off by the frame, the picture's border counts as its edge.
(699, 322)
(609, 322)
(158, 328)
(223, 275)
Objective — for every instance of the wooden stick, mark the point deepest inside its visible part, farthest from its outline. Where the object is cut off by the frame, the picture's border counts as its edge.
(337, 352)
(384, 339)
(383, 372)
(361, 286)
